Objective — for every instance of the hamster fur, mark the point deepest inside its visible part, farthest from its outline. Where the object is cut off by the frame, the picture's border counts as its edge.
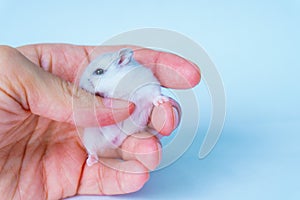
(118, 75)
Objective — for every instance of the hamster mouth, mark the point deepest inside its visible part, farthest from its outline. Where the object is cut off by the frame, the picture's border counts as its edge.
(101, 94)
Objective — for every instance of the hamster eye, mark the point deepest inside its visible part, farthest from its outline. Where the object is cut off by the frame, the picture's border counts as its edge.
(98, 71)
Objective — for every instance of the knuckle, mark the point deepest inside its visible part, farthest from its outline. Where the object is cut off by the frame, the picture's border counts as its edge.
(66, 87)
(12, 80)
(67, 92)
(7, 54)
(7, 50)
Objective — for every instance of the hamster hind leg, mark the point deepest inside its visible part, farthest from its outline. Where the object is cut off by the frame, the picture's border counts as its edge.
(92, 139)
(98, 140)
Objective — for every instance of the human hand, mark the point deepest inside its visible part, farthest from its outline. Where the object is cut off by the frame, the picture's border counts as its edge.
(41, 155)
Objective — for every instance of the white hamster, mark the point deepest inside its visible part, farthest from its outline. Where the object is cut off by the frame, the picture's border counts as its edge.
(119, 75)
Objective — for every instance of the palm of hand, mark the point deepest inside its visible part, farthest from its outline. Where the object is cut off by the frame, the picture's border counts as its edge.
(39, 155)
(45, 159)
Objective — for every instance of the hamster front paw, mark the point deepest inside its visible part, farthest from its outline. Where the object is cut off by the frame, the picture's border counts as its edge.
(160, 100)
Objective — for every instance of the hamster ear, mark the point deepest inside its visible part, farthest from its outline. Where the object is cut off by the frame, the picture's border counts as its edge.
(124, 56)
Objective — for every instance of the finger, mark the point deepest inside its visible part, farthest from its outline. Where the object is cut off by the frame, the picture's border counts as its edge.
(49, 96)
(67, 61)
(165, 117)
(171, 70)
(143, 147)
(112, 176)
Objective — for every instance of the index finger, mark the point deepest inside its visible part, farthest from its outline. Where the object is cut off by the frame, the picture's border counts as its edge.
(67, 61)
(171, 70)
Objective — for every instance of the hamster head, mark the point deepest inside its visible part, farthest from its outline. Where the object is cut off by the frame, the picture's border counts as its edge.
(104, 73)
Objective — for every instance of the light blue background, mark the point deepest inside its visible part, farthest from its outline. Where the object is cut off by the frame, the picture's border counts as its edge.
(256, 48)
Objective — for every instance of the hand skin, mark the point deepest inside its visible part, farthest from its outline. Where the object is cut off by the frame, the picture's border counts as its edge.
(41, 155)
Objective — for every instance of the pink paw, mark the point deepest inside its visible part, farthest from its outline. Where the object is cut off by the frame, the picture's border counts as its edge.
(160, 100)
(91, 160)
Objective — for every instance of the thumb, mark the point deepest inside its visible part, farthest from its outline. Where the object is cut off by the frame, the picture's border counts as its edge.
(47, 95)
(63, 101)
